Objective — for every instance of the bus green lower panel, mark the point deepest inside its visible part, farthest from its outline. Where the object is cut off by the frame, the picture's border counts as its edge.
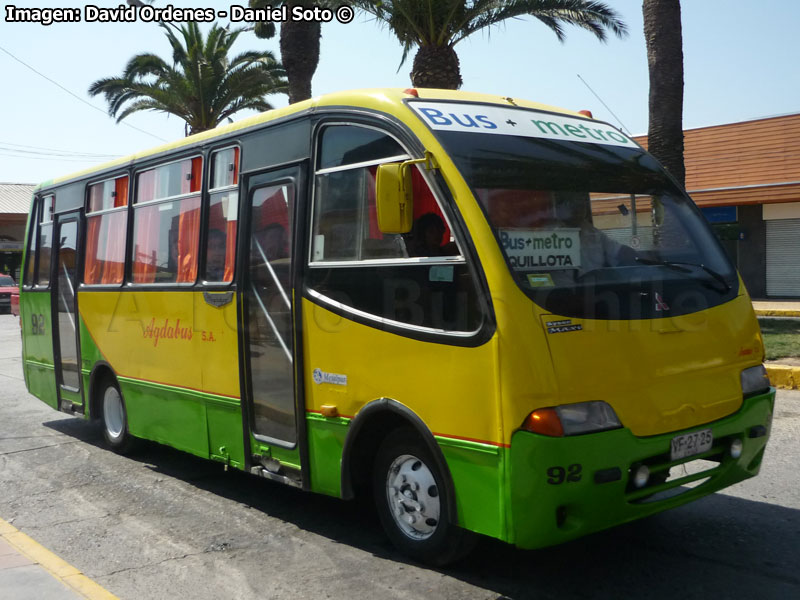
(565, 488)
(167, 415)
(225, 431)
(477, 472)
(41, 380)
(325, 445)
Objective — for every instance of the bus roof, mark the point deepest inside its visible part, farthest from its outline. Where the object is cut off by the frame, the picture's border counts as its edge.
(387, 100)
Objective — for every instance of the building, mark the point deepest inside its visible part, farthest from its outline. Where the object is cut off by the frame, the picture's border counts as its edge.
(15, 201)
(745, 177)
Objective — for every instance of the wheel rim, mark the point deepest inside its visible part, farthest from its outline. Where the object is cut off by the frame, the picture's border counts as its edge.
(113, 412)
(413, 497)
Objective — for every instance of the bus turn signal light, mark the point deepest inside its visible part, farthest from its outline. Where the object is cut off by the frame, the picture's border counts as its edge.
(544, 421)
(329, 411)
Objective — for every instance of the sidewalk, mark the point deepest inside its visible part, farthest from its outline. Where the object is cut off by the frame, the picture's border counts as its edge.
(29, 571)
(777, 308)
(785, 376)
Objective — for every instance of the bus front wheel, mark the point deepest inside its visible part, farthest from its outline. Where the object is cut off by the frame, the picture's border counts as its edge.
(115, 419)
(412, 501)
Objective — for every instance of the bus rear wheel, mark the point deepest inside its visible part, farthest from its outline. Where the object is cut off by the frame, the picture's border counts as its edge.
(115, 418)
(413, 501)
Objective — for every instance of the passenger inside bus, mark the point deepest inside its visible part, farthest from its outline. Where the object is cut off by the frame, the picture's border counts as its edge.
(215, 257)
(272, 240)
(427, 237)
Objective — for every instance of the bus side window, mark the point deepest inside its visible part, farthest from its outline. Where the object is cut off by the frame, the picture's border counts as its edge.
(33, 244)
(222, 215)
(45, 242)
(345, 218)
(166, 223)
(107, 227)
(419, 278)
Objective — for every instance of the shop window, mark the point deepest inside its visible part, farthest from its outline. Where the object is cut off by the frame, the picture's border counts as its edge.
(107, 227)
(166, 223)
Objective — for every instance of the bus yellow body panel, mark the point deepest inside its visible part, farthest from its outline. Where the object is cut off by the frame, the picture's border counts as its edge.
(449, 387)
(659, 375)
(170, 338)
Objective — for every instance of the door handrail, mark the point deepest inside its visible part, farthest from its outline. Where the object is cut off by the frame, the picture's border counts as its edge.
(64, 300)
(272, 273)
(271, 322)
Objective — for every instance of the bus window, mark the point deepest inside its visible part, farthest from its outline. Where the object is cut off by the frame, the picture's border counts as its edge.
(166, 223)
(390, 276)
(345, 218)
(222, 215)
(343, 145)
(33, 238)
(45, 241)
(107, 225)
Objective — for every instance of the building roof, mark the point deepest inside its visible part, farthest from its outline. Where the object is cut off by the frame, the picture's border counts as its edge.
(15, 198)
(750, 162)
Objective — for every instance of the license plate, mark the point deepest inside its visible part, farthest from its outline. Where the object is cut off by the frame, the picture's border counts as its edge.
(691, 444)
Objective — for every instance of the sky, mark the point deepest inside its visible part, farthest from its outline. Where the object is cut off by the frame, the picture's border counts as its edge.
(740, 62)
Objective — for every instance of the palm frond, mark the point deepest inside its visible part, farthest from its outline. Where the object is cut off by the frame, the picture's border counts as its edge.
(203, 86)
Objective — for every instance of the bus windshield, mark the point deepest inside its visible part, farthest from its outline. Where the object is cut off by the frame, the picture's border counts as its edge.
(591, 230)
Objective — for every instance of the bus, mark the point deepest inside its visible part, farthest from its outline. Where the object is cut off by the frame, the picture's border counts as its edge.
(494, 317)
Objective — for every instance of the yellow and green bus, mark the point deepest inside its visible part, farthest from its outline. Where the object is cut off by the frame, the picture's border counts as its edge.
(492, 316)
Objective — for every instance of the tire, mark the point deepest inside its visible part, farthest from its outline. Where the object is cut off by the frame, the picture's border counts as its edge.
(413, 500)
(115, 418)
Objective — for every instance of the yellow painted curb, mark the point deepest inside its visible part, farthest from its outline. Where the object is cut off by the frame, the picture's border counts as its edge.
(776, 312)
(58, 568)
(784, 376)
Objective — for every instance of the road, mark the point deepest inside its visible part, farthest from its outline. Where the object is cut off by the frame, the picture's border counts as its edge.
(164, 524)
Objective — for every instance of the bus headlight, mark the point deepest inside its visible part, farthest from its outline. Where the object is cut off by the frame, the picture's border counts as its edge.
(587, 417)
(754, 380)
(572, 419)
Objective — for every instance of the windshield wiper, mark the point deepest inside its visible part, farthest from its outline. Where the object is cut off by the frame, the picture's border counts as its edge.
(678, 266)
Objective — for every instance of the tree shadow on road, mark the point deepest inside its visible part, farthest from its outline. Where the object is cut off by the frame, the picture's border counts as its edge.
(718, 547)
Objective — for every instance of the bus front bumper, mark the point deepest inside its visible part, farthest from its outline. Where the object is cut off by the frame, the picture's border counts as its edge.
(565, 488)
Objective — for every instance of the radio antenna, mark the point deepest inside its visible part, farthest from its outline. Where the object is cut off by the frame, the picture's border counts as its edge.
(625, 129)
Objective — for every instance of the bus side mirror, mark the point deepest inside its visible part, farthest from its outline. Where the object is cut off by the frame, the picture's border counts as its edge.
(394, 197)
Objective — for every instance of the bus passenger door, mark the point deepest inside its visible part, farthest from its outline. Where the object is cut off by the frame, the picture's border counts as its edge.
(268, 313)
(65, 313)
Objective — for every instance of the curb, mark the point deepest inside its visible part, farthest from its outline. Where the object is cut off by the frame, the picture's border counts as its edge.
(776, 312)
(55, 566)
(784, 376)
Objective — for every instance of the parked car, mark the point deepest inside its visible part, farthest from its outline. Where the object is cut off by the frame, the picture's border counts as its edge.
(7, 287)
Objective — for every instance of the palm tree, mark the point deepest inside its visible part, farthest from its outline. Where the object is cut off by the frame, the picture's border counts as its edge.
(434, 27)
(299, 43)
(203, 86)
(662, 32)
